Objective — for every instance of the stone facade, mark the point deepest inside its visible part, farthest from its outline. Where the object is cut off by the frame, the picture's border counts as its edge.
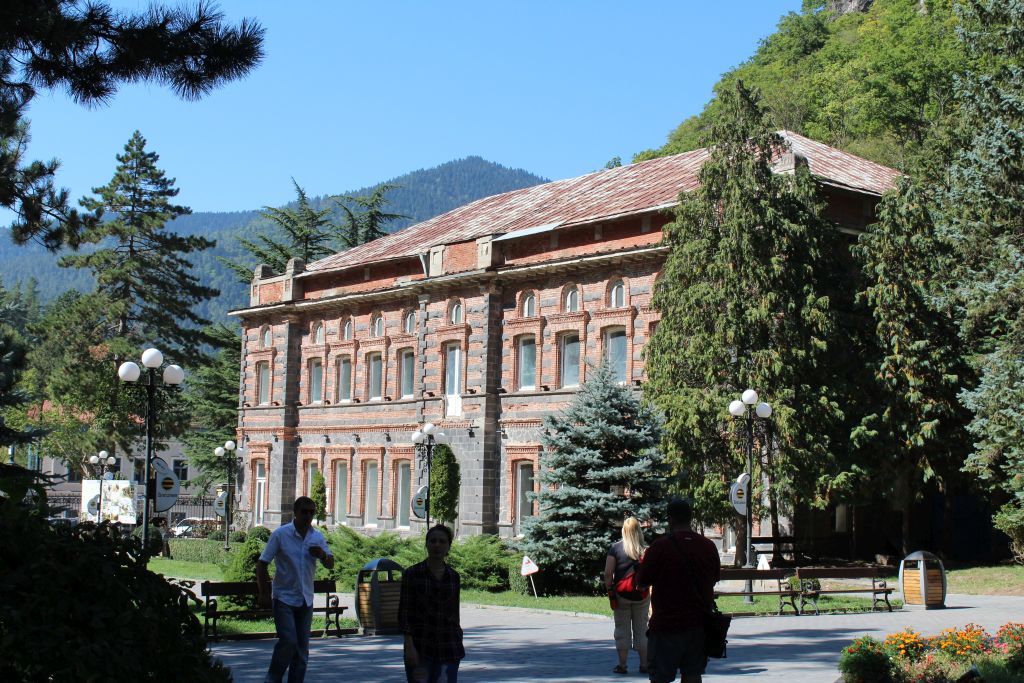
(480, 327)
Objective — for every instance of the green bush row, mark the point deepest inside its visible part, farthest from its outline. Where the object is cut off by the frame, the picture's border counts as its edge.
(202, 550)
(482, 561)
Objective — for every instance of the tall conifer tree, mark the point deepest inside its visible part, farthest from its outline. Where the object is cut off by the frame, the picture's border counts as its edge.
(915, 434)
(743, 305)
(983, 216)
(140, 265)
(600, 464)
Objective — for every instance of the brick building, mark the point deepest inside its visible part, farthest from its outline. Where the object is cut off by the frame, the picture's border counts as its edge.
(482, 320)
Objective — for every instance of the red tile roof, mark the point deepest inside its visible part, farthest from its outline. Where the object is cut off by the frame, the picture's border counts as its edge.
(603, 195)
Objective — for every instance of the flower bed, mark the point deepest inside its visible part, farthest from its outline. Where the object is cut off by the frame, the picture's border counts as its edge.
(909, 657)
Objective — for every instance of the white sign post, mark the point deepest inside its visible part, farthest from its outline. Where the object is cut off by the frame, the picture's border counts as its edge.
(419, 503)
(738, 498)
(167, 486)
(220, 506)
(528, 569)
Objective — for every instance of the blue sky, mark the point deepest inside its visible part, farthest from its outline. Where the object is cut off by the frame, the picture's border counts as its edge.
(354, 93)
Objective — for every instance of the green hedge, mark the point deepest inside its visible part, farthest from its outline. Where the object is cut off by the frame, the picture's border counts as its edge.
(203, 550)
(481, 562)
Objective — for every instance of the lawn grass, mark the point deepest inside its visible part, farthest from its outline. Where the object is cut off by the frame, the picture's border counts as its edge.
(997, 580)
(598, 604)
(181, 569)
(227, 626)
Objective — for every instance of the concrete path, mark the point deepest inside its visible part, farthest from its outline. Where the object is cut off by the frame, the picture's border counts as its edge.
(518, 645)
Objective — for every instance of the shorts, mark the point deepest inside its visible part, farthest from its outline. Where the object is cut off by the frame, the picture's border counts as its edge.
(669, 652)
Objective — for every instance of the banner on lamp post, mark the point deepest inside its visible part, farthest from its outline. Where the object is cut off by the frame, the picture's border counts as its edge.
(166, 486)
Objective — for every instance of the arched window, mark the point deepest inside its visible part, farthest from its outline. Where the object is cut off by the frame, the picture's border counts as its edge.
(616, 294)
(267, 339)
(455, 313)
(529, 305)
(318, 333)
(409, 322)
(377, 325)
(346, 330)
(571, 302)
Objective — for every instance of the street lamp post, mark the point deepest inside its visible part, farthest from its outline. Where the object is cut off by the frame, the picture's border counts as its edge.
(101, 461)
(231, 461)
(745, 408)
(424, 440)
(173, 375)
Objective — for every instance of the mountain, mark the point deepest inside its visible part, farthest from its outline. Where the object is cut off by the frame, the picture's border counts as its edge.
(421, 195)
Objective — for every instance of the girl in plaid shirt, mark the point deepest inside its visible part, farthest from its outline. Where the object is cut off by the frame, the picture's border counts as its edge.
(429, 614)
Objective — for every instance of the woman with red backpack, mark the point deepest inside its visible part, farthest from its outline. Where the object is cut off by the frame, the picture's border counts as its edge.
(630, 605)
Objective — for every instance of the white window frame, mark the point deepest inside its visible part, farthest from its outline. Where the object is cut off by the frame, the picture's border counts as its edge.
(340, 492)
(406, 364)
(316, 376)
(409, 322)
(403, 493)
(318, 333)
(371, 374)
(455, 313)
(521, 383)
(371, 505)
(529, 307)
(267, 338)
(263, 381)
(346, 329)
(572, 300)
(617, 294)
(608, 332)
(562, 343)
(453, 377)
(377, 326)
(523, 503)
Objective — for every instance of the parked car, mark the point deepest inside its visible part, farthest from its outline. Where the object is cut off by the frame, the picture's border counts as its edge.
(191, 527)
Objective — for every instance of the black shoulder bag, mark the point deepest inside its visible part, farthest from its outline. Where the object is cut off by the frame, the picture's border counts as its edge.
(716, 624)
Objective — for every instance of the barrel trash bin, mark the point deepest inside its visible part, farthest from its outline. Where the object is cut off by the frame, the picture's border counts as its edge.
(378, 590)
(923, 580)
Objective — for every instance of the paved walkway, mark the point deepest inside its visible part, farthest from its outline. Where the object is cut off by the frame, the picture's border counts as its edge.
(517, 645)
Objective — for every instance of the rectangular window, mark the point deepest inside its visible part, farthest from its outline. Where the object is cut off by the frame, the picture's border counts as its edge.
(524, 486)
(376, 375)
(404, 491)
(615, 353)
(407, 370)
(263, 383)
(345, 379)
(527, 363)
(74, 475)
(316, 381)
(570, 360)
(310, 471)
(181, 469)
(453, 380)
(340, 493)
(370, 511)
(260, 490)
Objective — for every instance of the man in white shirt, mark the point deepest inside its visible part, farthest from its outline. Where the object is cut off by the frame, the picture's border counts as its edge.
(294, 548)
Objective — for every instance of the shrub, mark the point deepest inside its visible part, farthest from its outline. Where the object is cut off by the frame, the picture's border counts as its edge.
(1010, 520)
(318, 492)
(156, 541)
(445, 483)
(217, 535)
(243, 568)
(481, 562)
(200, 550)
(516, 581)
(53, 630)
(260, 532)
(352, 550)
(237, 536)
(864, 661)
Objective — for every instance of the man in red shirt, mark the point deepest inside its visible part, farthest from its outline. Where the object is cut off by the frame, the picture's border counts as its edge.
(682, 568)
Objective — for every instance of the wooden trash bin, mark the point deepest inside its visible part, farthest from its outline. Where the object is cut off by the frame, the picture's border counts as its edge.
(923, 580)
(378, 590)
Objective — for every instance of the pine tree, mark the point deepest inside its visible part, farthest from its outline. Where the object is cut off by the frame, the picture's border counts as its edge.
(89, 49)
(305, 234)
(916, 432)
(140, 266)
(211, 400)
(13, 397)
(743, 305)
(445, 484)
(369, 220)
(600, 464)
(983, 216)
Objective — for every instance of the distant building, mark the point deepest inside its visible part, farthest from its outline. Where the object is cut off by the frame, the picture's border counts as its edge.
(482, 320)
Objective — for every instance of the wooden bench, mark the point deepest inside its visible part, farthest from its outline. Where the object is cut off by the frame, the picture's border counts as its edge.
(780, 577)
(212, 611)
(809, 576)
(781, 545)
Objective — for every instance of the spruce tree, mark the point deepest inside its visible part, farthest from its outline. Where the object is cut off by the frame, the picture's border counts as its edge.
(916, 433)
(301, 232)
(983, 216)
(369, 220)
(743, 305)
(600, 464)
(139, 265)
(318, 493)
(445, 483)
(211, 399)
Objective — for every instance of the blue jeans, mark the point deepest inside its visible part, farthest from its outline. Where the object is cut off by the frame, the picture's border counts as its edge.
(435, 669)
(292, 649)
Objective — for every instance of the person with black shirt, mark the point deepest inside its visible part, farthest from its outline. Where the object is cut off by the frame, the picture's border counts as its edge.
(682, 568)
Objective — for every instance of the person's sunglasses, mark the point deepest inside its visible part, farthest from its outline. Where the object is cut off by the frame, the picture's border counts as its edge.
(306, 511)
